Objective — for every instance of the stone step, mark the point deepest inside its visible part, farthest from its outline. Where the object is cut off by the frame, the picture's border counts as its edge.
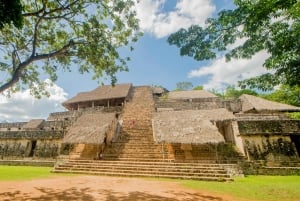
(138, 145)
(133, 152)
(128, 150)
(137, 136)
(149, 161)
(136, 150)
(134, 174)
(133, 155)
(157, 167)
(155, 160)
(127, 161)
(152, 171)
(165, 165)
(136, 140)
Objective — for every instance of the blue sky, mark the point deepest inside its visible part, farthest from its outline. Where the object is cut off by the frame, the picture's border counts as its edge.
(153, 62)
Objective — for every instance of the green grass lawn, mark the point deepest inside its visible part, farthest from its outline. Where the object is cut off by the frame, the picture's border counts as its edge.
(9, 173)
(260, 188)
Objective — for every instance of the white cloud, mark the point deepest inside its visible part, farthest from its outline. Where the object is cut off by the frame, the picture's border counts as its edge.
(223, 73)
(21, 106)
(186, 13)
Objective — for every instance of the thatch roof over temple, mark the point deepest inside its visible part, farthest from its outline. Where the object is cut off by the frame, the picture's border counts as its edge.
(159, 90)
(106, 92)
(33, 124)
(253, 103)
(189, 126)
(194, 94)
(89, 128)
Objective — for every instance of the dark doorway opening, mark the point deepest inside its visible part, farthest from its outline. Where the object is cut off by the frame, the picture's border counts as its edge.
(296, 140)
(33, 145)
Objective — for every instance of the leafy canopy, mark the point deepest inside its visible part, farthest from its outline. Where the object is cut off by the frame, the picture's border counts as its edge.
(270, 25)
(183, 86)
(199, 87)
(232, 92)
(285, 94)
(11, 12)
(288, 95)
(60, 34)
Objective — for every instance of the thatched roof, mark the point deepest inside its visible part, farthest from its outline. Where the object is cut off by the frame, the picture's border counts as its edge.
(33, 124)
(101, 93)
(194, 94)
(189, 126)
(89, 128)
(251, 103)
(159, 90)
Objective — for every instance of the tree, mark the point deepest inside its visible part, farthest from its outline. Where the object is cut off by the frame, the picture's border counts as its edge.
(58, 34)
(11, 11)
(183, 86)
(288, 95)
(232, 92)
(271, 25)
(285, 94)
(198, 87)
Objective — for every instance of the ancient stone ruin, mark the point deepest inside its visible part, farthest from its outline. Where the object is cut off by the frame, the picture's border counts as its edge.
(143, 131)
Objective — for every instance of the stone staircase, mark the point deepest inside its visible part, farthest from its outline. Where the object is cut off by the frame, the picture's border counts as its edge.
(136, 137)
(146, 168)
(135, 154)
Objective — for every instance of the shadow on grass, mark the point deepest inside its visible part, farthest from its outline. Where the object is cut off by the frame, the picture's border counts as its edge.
(87, 194)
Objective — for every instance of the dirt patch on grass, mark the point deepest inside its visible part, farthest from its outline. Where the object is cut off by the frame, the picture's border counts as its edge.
(90, 188)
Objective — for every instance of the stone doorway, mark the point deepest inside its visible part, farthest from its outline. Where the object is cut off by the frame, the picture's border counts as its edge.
(296, 140)
(32, 146)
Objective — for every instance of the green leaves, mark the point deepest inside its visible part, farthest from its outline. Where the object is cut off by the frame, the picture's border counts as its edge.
(285, 94)
(271, 25)
(60, 34)
(11, 12)
(183, 86)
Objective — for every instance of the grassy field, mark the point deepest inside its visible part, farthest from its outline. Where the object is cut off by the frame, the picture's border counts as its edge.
(260, 188)
(11, 173)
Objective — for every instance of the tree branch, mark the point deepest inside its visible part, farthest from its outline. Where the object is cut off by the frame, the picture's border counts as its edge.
(17, 74)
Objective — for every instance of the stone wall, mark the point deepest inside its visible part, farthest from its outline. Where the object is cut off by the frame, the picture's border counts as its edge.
(22, 148)
(261, 168)
(11, 126)
(199, 104)
(61, 116)
(269, 148)
(269, 127)
(261, 116)
(42, 134)
(215, 153)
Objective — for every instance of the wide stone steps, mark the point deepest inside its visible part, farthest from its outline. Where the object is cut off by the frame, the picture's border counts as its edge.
(153, 169)
(128, 151)
(196, 171)
(134, 145)
(158, 160)
(134, 155)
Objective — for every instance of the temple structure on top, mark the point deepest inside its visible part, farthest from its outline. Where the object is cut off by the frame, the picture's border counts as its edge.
(105, 96)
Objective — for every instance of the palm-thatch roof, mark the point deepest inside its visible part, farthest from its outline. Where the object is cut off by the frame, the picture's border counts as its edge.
(189, 126)
(105, 92)
(159, 90)
(253, 103)
(33, 124)
(194, 94)
(89, 128)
